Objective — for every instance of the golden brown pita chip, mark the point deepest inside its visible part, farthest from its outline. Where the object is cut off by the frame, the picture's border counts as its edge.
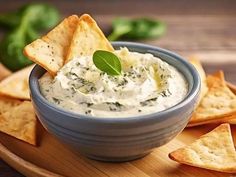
(197, 64)
(218, 104)
(232, 118)
(17, 119)
(16, 85)
(50, 51)
(214, 150)
(87, 38)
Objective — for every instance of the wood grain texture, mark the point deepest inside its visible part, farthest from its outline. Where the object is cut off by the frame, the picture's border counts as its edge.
(22, 165)
(204, 28)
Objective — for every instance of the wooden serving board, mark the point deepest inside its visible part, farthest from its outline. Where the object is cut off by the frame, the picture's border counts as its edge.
(51, 158)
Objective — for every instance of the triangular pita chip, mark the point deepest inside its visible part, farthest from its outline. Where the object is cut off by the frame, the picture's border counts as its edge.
(50, 51)
(17, 119)
(232, 118)
(197, 64)
(16, 85)
(87, 38)
(214, 150)
(218, 104)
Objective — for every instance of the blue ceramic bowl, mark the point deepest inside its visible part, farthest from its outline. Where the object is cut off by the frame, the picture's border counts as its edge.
(119, 139)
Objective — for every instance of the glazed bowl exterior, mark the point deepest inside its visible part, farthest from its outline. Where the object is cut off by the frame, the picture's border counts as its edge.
(118, 139)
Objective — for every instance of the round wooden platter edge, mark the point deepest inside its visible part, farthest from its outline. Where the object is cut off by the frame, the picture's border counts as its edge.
(24, 167)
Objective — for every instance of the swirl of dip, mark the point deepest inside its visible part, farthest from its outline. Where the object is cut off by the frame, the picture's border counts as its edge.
(147, 85)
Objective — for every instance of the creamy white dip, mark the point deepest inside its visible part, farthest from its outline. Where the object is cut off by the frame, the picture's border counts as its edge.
(147, 85)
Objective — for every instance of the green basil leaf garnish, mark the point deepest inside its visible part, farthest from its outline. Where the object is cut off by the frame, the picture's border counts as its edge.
(107, 62)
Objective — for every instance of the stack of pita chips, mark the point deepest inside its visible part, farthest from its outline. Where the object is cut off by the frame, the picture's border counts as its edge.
(17, 116)
(73, 37)
(217, 102)
(214, 150)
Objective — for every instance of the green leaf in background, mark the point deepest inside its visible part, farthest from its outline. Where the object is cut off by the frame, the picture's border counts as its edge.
(120, 28)
(11, 52)
(137, 29)
(41, 16)
(107, 62)
(24, 26)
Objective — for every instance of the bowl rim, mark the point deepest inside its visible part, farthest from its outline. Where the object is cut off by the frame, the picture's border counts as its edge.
(194, 92)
